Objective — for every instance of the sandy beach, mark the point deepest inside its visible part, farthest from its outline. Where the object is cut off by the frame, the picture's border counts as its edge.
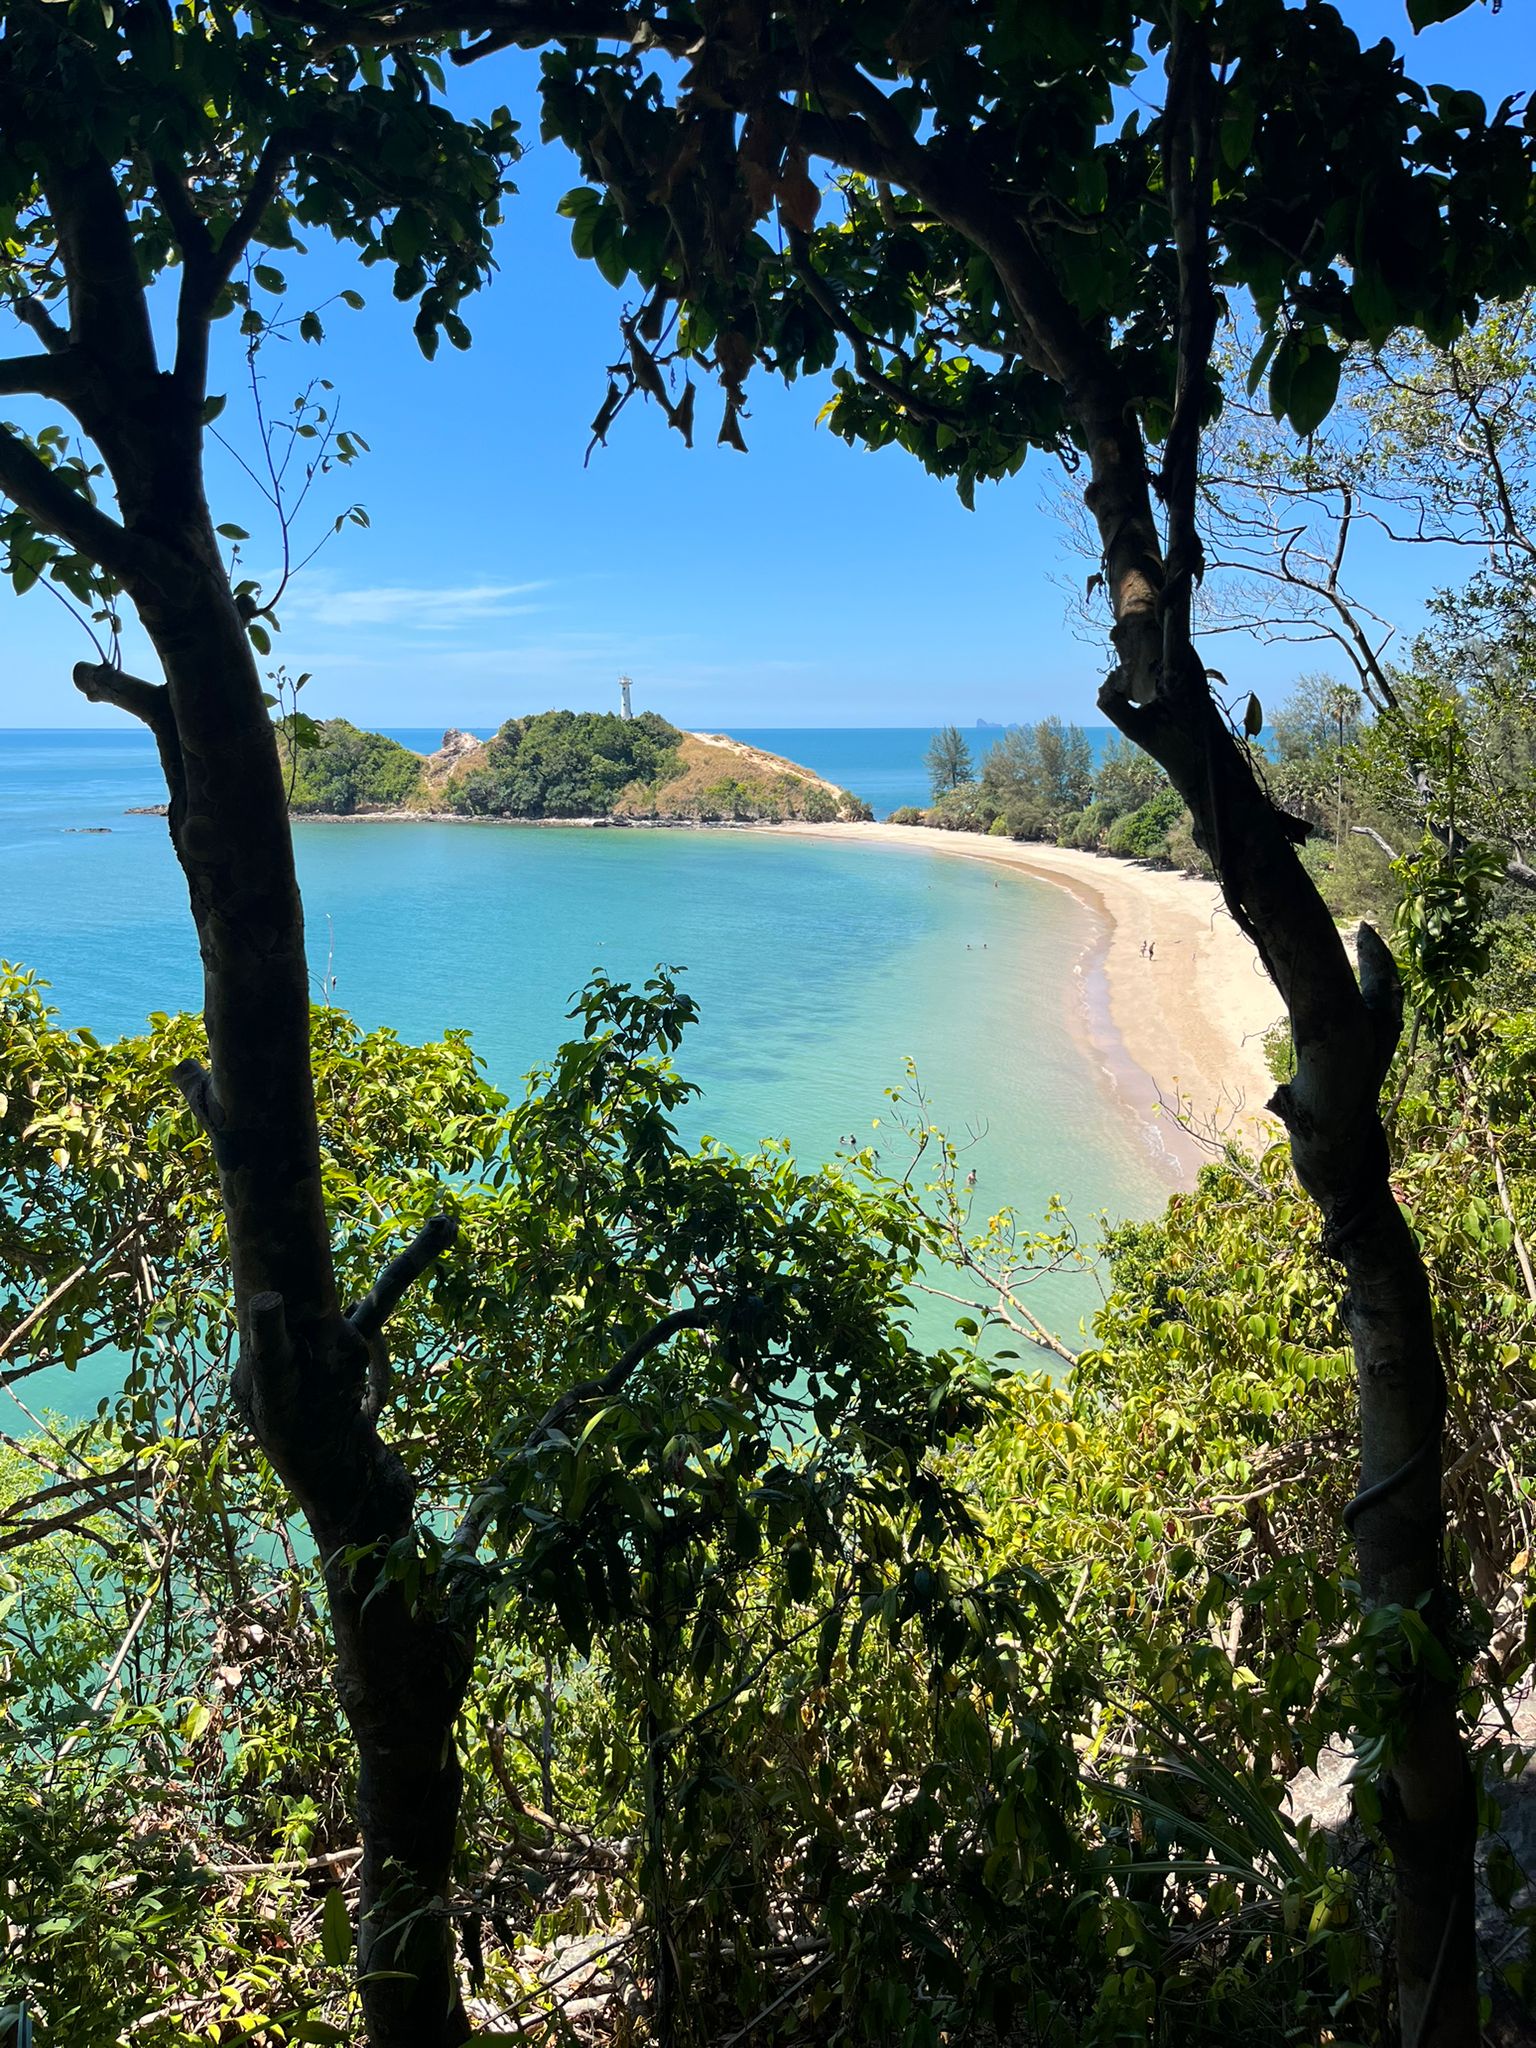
(1191, 1020)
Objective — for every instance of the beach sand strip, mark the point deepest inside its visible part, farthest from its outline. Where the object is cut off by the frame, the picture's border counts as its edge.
(1191, 1017)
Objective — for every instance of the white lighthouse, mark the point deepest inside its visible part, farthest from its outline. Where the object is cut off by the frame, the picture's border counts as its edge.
(626, 709)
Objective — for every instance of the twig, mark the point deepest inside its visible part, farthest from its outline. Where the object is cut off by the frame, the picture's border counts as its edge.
(30, 1321)
(791, 1991)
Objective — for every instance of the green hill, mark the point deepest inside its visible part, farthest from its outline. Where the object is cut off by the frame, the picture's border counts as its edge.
(559, 764)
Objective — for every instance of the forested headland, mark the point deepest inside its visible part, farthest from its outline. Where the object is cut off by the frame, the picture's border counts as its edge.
(531, 1582)
(553, 765)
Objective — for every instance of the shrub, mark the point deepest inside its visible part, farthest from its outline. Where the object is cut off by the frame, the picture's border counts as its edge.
(1183, 849)
(345, 770)
(909, 814)
(963, 810)
(567, 764)
(1027, 819)
(1143, 834)
(818, 806)
(1087, 829)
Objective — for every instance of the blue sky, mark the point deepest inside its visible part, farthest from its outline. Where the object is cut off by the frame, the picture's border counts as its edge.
(803, 584)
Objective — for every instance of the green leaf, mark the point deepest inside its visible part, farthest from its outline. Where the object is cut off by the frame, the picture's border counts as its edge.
(1281, 372)
(608, 255)
(353, 299)
(336, 1928)
(746, 1536)
(213, 406)
(1314, 386)
(799, 1569)
(1261, 358)
(1253, 718)
(231, 532)
(269, 279)
(261, 639)
(1425, 13)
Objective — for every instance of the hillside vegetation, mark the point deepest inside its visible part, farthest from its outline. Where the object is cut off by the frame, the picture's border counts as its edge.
(558, 764)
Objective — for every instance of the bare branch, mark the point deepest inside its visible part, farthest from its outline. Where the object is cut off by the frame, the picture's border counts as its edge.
(32, 312)
(1370, 832)
(17, 1537)
(276, 154)
(45, 376)
(100, 683)
(104, 1493)
(12, 1338)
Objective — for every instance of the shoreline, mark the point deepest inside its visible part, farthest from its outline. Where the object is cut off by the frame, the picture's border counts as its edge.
(1181, 1030)
(1185, 1027)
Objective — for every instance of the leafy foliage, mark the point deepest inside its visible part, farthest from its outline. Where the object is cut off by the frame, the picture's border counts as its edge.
(566, 764)
(341, 769)
(924, 1692)
(948, 761)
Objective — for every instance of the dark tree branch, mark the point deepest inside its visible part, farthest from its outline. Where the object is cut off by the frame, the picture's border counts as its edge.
(369, 1316)
(196, 1084)
(43, 494)
(1186, 170)
(46, 376)
(862, 344)
(31, 312)
(103, 684)
(187, 224)
(17, 1537)
(276, 154)
(108, 307)
(471, 1531)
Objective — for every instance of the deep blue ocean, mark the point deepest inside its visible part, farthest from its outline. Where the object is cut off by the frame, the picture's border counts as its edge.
(820, 968)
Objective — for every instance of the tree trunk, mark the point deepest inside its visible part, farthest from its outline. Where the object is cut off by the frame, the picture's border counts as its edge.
(1345, 1034)
(303, 1375)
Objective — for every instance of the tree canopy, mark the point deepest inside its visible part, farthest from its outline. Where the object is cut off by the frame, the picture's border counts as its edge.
(1043, 214)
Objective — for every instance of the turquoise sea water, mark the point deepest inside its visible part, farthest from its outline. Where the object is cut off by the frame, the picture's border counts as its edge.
(818, 967)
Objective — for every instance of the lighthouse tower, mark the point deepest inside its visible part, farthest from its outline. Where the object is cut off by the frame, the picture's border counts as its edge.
(626, 710)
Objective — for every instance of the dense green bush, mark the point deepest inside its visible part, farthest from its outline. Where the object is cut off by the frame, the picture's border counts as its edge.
(1143, 834)
(338, 768)
(1087, 830)
(971, 1688)
(566, 764)
(966, 809)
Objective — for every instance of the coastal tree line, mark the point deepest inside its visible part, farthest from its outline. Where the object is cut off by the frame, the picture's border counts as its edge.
(985, 289)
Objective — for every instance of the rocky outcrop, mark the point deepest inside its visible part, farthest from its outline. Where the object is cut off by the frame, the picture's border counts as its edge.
(458, 750)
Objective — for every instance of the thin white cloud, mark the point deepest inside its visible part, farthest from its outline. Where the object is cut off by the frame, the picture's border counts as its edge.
(435, 608)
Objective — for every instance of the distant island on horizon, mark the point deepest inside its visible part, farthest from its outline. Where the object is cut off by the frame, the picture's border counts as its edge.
(555, 766)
